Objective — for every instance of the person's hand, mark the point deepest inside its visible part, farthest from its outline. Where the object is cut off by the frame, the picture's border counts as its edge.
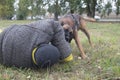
(67, 59)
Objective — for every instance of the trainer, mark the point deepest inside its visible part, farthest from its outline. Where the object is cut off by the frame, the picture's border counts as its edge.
(38, 44)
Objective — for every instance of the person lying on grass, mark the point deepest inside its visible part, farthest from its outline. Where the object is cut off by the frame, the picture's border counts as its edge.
(39, 44)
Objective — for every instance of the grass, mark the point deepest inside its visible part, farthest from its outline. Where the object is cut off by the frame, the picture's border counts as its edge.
(104, 62)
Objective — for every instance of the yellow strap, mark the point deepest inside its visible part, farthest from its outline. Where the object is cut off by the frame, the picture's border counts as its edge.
(69, 58)
(33, 57)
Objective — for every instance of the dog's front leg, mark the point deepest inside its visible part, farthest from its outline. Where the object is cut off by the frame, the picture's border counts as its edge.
(77, 40)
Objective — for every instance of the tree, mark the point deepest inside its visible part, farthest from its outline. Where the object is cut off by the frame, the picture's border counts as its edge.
(6, 9)
(99, 6)
(75, 6)
(31, 8)
(118, 7)
(72, 5)
(108, 8)
(90, 9)
(23, 9)
(81, 6)
(55, 8)
(63, 6)
(38, 8)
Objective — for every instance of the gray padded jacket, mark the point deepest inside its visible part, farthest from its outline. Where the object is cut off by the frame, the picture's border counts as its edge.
(18, 41)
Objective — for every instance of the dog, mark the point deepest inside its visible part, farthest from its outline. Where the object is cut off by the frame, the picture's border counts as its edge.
(73, 23)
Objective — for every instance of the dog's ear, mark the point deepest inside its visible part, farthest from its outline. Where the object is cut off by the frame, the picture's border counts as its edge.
(61, 21)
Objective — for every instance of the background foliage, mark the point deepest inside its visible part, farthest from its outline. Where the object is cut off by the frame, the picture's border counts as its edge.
(35, 8)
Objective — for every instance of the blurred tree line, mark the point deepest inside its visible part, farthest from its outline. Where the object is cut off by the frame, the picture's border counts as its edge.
(57, 7)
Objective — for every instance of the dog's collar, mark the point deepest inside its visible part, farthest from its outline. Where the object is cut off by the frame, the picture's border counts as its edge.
(76, 22)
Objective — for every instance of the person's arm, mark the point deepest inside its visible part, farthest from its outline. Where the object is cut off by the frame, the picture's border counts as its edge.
(78, 43)
(60, 42)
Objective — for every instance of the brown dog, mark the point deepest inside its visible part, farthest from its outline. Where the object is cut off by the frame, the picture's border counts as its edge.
(73, 23)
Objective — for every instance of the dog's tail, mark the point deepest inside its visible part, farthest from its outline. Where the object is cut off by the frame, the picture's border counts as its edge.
(89, 19)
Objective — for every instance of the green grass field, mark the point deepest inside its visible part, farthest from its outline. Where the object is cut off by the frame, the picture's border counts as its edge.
(104, 62)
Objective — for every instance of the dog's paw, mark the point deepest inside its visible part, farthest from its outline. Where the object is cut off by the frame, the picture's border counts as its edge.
(85, 57)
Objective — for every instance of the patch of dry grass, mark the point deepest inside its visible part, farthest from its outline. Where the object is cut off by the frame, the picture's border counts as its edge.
(104, 62)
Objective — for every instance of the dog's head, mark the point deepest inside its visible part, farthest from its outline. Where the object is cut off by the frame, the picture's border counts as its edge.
(73, 20)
